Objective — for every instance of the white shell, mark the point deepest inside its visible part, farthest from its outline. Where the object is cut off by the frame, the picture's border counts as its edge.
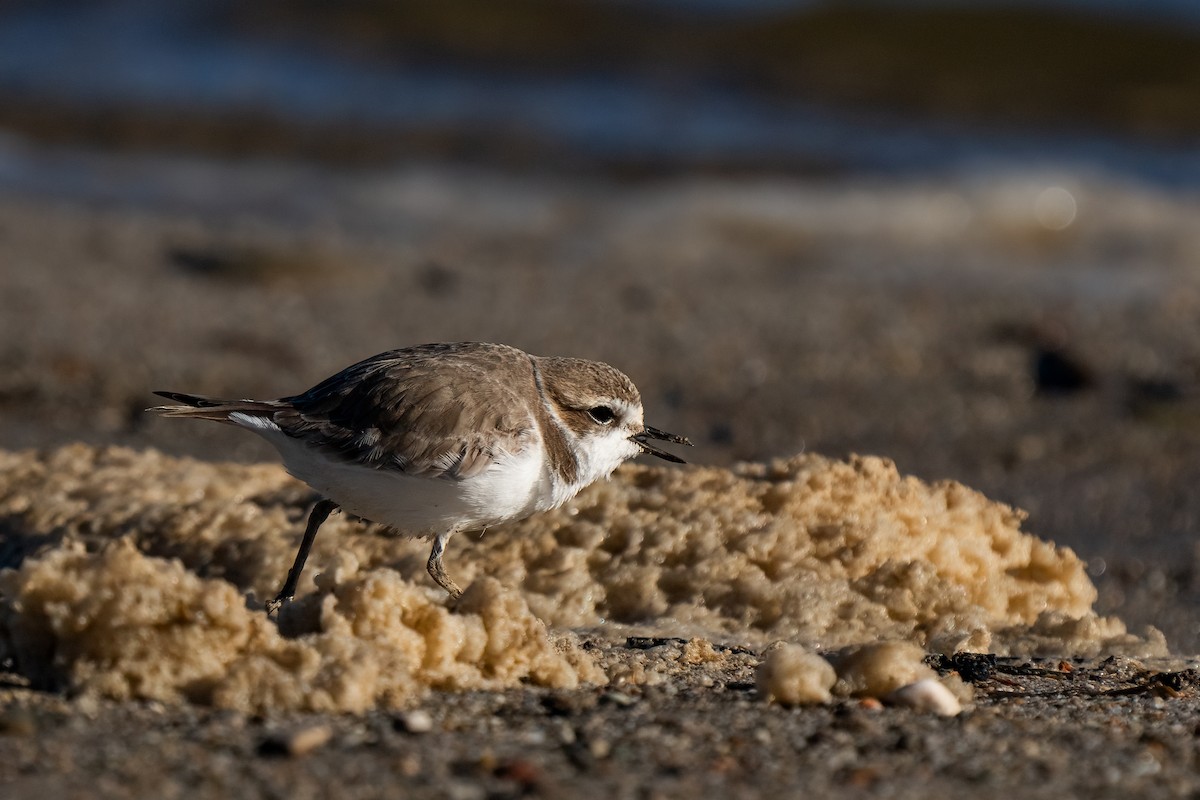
(927, 694)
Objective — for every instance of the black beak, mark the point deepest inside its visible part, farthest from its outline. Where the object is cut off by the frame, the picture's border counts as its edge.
(655, 433)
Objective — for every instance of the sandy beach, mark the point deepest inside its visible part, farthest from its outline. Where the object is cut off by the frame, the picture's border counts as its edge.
(764, 319)
(938, 360)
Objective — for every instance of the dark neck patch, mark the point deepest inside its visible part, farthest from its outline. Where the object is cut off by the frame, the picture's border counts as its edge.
(554, 438)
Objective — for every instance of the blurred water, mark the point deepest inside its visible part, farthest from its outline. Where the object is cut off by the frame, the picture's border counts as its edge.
(1173, 10)
(141, 53)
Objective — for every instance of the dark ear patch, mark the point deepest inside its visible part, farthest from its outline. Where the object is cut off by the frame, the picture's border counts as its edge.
(577, 420)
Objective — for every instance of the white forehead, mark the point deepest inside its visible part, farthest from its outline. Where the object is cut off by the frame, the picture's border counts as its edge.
(626, 410)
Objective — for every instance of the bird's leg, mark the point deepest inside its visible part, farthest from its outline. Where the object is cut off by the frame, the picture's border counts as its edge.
(320, 512)
(436, 570)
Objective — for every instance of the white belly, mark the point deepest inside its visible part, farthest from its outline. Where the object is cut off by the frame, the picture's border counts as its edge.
(510, 489)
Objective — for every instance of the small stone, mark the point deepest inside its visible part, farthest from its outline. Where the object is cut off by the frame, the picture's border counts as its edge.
(415, 721)
(523, 772)
(17, 722)
(462, 790)
(297, 743)
(567, 703)
(306, 740)
(533, 738)
(619, 699)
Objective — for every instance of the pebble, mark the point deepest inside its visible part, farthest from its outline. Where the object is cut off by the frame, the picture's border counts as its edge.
(297, 743)
(416, 721)
(462, 790)
(18, 722)
(306, 740)
(619, 699)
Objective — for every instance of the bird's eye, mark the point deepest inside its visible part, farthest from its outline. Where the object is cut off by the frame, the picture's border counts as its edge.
(602, 415)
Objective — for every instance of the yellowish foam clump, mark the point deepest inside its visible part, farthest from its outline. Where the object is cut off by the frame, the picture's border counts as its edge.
(820, 552)
(123, 625)
(878, 669)
(791, 675)
(817, 552)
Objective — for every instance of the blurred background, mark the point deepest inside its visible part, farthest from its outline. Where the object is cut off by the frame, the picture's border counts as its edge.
(962, 235)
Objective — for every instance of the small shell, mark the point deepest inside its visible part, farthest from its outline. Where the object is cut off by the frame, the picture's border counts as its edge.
(927, 694)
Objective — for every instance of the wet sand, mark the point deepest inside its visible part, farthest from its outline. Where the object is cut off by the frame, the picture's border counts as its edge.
(947, 326)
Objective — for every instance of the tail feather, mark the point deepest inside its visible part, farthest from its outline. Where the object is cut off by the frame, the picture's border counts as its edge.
(199, 407)
(193, 400)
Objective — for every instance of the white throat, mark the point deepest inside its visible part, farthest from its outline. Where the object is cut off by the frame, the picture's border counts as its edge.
(597, 454)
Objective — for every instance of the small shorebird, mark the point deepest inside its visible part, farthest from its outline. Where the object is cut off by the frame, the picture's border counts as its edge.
(441, 438)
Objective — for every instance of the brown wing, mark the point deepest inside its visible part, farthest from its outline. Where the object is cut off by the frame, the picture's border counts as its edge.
(445, 410)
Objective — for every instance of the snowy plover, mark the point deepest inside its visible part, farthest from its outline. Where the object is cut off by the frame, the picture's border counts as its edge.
(440, 438)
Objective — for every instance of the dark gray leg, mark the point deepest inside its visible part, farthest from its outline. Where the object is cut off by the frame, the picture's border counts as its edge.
(320, 512)
(436, 570)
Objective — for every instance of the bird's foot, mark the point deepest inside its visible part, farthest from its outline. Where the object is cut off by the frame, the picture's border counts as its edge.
(277, 603)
